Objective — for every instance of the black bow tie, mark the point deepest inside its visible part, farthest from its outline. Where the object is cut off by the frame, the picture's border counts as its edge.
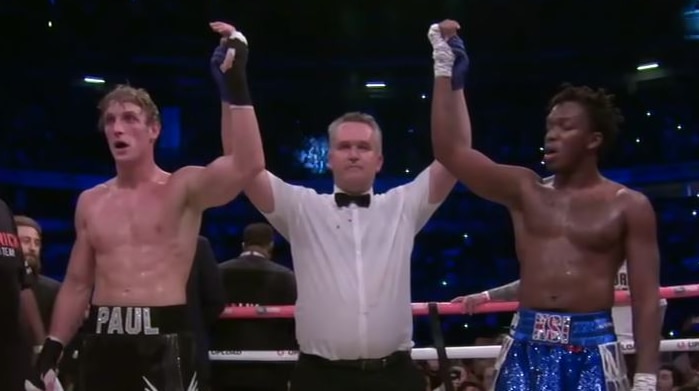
(344, 199)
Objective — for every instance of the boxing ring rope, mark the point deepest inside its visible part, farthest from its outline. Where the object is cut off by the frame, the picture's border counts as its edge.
(459, 352)
(287, 311)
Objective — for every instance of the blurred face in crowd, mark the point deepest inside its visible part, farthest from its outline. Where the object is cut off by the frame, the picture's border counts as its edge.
(458, 375)
(355, 156)
(31, 246)
(665, 381)
(130, 133)
(432, 365)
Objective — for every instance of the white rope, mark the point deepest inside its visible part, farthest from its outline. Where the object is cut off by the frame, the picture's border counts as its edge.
(669, 345)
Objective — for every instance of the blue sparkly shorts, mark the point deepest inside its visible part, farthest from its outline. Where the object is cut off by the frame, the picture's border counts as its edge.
(557, 351)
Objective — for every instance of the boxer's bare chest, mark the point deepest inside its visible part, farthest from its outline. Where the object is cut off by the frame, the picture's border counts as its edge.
(587, 219)
(146, 216)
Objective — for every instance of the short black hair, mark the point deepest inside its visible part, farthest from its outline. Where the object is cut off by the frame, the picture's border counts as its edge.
(258, 234)
(599, 105)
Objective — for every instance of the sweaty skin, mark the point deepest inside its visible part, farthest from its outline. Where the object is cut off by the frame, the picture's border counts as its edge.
(571, 233)
(143, 241)
(570, 245)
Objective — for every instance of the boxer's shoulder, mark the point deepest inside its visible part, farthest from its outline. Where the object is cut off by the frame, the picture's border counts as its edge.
(625, 196)
(89, 196)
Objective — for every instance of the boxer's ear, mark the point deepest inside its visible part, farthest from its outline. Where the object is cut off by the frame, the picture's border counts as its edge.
(154, 130)
(595, 141)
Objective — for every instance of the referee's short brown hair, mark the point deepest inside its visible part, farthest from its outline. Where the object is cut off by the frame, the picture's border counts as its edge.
(258, 234)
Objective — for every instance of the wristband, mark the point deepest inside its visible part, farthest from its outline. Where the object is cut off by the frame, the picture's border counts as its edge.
(644, 382)
(442, 69)
(50, 353)
(236, 77)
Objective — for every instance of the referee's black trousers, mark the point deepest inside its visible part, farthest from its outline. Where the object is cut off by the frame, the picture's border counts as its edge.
(396, 372)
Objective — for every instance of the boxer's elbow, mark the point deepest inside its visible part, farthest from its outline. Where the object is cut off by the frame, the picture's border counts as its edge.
(445, 150)
(240, 172)
(249, 169)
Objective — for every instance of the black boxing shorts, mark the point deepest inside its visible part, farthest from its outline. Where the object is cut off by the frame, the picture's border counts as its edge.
(138, 348)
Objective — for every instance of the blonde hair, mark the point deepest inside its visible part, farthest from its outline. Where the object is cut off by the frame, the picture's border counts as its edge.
(356, 116)
(127, 94)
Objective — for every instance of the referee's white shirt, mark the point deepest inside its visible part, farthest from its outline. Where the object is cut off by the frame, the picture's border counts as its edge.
(352, 267)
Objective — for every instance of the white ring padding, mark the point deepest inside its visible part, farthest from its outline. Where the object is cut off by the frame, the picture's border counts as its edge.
(668, 345)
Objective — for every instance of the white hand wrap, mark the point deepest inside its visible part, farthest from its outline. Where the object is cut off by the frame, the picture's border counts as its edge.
(51, 383)
(441, 52)
(644, 382)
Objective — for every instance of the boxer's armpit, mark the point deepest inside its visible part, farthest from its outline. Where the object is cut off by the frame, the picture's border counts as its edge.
(506, 292)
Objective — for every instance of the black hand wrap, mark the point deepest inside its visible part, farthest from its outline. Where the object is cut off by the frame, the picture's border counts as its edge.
(48, 358)
(236, 77)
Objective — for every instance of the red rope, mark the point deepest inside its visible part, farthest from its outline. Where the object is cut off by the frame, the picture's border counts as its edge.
(287, 311)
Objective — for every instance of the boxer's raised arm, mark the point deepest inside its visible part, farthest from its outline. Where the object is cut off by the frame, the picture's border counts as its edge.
(643, 264)
(234, 89)
(222, 180)
(452, 144)
(74, 295)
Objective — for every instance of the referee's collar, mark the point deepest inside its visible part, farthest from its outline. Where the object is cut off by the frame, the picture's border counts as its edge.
(336, 189)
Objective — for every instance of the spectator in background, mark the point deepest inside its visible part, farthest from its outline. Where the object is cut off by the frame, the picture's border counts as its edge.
(45, 289)
(205, 299)
(459, 376)
(669, 378)
(253, 279)
(470, 386)
(17, 306)
(688, 362)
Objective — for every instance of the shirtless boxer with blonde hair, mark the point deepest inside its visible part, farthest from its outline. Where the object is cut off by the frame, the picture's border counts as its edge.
(136, 237)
